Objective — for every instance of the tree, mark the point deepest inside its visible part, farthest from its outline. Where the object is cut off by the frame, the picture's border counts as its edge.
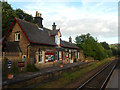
(7, 17)
(107, 48)
(8, 14)
(90, 46)
(22, 15)
(105, 45)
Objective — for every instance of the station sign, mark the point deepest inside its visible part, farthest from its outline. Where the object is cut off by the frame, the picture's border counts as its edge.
(21, 64)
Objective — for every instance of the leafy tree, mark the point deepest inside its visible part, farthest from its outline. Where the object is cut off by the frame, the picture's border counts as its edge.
(105, 45)
(7, 17)
(107, 48)
(22, 15)
(90, 46)
(8, 14)
(114, 51)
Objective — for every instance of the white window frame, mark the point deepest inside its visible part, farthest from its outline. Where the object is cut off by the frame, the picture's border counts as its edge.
(16, 37)
(78, 55)
(60, 54)
(57, 39)
(70, 54)
(41, 56)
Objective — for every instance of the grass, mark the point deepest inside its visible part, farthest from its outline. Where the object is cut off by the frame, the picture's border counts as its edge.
(67, 78)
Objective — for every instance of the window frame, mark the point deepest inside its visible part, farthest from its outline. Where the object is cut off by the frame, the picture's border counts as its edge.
(40, 56)
(60, 54)
(17, 36)
(78, 55)
(57, 39)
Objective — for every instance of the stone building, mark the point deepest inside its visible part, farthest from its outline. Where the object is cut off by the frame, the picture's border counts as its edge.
(33, 43)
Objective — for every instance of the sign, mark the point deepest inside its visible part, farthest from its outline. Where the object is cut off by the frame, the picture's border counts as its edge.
(21, 64)
(49, 50)
(9, 64)
(48, 57)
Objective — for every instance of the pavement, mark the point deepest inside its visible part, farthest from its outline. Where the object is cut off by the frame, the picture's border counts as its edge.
(114, 81)
(30, 75)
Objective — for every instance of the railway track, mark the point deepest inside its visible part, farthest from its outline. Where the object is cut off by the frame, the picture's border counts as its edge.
(99, 79)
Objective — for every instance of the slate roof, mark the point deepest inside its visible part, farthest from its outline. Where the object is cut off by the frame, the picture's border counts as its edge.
(68, 44)
(54, 32)
(36, 35)
(13, 46)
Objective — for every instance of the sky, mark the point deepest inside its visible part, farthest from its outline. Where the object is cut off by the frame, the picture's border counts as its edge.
(97, 17)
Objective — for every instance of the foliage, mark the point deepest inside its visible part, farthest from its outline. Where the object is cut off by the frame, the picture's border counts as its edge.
(91, 47)
(115, 49)
(5, 67)
(105, 45)
(7, 17)
(31, 68)
(107, 49)
(8, 14)
(14, 69)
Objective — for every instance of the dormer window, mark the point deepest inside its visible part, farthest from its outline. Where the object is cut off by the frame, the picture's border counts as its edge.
(57, 39)
(17, 36)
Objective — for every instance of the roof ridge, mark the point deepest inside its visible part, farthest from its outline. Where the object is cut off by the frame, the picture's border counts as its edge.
(26, 21)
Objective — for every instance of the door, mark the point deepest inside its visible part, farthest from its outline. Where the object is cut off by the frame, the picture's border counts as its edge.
(40, 55)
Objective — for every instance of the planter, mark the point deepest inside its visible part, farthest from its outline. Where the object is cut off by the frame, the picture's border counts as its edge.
(10, 76)
(86, 60)
(61, 65)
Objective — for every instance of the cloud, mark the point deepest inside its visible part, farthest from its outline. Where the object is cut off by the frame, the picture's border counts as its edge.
(62, 0)
(95, 18)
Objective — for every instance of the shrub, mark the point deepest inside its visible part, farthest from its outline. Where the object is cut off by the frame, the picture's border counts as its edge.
(5, 67)
(31, 68)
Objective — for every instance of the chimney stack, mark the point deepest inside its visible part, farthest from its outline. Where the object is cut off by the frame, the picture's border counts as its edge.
(70, 39)
(54, 26)
(38, 19)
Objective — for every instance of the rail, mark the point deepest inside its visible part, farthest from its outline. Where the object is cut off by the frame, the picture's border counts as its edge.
(96, 74)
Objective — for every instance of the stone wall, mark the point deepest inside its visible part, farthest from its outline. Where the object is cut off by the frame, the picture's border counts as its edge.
(42, 78)
(23, 43)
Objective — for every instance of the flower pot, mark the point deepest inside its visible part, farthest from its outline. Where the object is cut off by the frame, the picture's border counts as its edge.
(61, 65)
(85, 60)
(10, 76)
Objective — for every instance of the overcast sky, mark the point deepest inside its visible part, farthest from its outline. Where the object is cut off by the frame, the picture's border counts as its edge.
(98, 18)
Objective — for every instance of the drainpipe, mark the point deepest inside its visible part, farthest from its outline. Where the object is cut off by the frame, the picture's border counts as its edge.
(27, 52)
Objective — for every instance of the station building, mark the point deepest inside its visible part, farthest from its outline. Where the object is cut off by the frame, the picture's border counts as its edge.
(34, 43)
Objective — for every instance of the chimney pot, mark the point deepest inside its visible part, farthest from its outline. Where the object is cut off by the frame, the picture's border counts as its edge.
(40, 14)
(38, 19)
(70, 39)
(54, 26)
(36, 13)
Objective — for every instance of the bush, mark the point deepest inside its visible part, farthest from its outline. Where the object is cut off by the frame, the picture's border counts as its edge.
(31, 68)
(14, 69)
(5, 67)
